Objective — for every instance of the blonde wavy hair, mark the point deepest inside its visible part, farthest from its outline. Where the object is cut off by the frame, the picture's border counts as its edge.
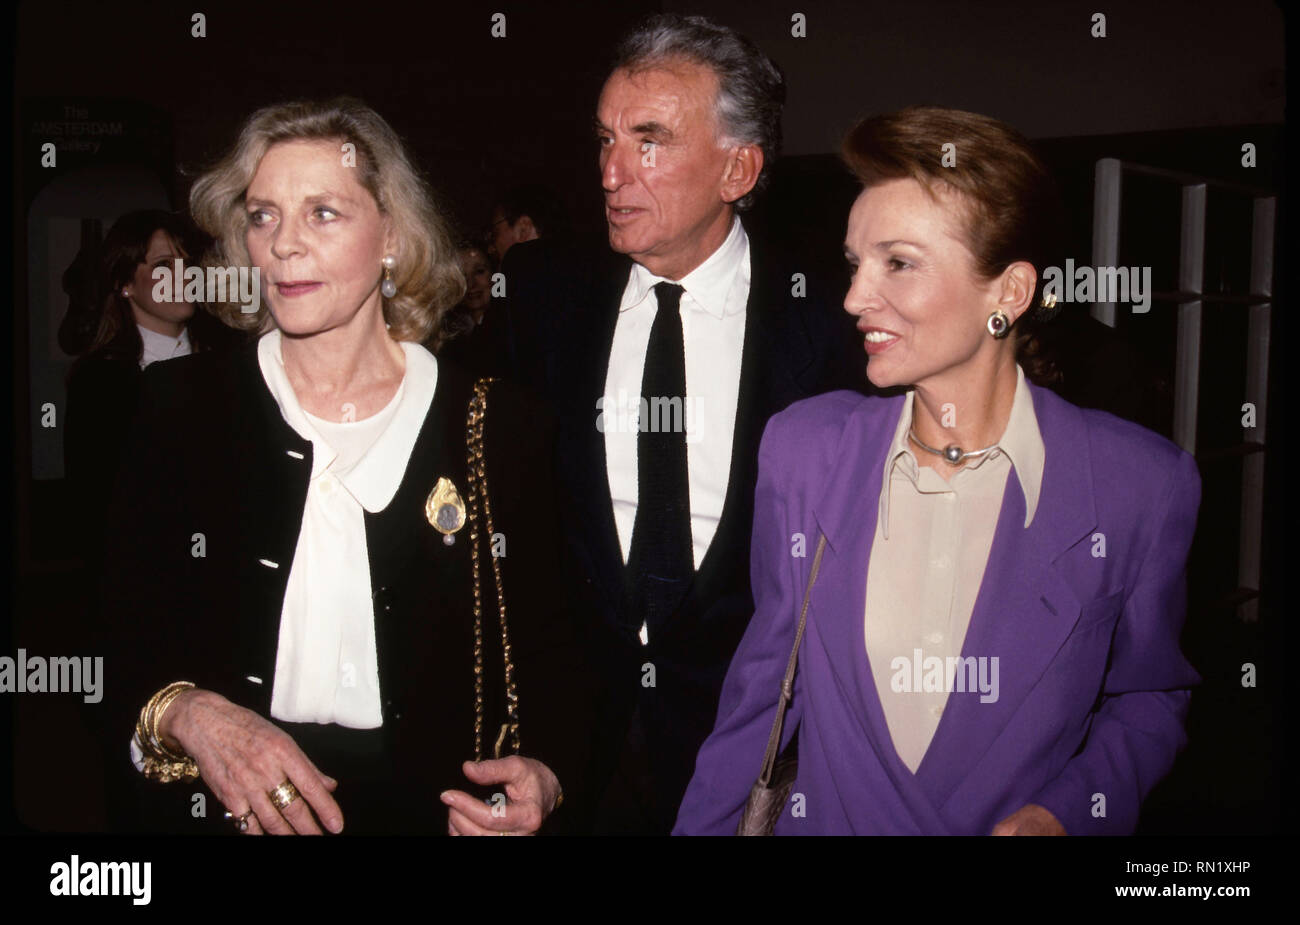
(428, 279)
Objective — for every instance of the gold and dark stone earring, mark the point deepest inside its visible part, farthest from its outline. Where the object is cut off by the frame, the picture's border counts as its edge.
(999, 324)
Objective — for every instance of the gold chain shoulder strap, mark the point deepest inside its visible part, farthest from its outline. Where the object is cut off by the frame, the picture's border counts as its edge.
(478, 491)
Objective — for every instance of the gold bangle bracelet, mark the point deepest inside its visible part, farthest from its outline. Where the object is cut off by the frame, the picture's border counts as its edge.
(172, 692)
(142, 725)
(160, 761)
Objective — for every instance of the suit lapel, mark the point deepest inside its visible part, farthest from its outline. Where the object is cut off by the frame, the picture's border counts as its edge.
(752, 411)
(776, 350)
(587, 372)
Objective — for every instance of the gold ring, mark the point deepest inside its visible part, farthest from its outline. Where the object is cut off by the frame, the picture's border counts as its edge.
(284, 794)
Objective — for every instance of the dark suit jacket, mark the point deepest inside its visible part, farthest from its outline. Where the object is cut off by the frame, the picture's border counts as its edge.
(103, 387)
(560, 312)
(102, 392)
(214, 619)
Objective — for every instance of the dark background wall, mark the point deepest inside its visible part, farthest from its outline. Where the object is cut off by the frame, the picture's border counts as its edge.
(479, 110)
(1179, 86)
(1162, 65)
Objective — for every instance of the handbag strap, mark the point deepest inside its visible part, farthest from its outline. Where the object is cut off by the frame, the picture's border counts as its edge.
(787, 685)
(476, 462)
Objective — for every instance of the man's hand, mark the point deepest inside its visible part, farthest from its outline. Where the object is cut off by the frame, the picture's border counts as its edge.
(1030, 820)
(531, 791)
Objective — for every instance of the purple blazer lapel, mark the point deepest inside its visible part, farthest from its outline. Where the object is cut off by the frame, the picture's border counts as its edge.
(1026, 607)
(846, 513)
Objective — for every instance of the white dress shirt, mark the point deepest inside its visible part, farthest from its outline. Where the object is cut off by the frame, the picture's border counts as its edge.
(161, 347)
(713, 334)
(932, 544)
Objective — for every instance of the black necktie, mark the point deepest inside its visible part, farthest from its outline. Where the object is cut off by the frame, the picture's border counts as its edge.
(661, 562)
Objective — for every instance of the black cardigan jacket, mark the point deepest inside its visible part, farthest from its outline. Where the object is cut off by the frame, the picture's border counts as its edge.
(209, 494)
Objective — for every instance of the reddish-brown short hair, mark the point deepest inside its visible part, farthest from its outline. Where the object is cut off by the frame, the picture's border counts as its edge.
(1010, 205)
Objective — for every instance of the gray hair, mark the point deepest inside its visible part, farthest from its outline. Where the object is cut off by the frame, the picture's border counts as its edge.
(751, 89)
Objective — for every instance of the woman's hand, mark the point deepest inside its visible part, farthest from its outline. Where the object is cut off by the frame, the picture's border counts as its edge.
(243, 757)
(1030, 820)
(531, 792)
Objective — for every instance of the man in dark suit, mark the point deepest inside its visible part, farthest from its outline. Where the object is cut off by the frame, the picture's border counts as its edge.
(664, 357)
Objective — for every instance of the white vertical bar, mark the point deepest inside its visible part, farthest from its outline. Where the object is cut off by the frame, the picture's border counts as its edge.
(1257, 344)
(1106, 189)
(1191, 267)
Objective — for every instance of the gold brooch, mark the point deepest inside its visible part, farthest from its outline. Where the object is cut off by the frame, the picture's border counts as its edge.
(445, 510)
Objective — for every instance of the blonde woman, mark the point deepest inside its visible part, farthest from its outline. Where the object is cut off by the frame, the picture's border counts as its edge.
(313, 585)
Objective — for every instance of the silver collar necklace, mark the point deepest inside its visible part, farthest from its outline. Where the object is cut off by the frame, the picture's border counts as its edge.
(952, 453)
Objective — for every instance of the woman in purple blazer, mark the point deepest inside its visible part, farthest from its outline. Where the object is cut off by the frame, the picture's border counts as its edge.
(992, 638)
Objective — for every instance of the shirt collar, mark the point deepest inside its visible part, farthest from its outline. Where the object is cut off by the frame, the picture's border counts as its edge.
(374, 480)
(1022, 442)
(708, 286)
(161, 347)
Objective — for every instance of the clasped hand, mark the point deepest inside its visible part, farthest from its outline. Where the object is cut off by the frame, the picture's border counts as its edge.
(531, 792)
(242, 757)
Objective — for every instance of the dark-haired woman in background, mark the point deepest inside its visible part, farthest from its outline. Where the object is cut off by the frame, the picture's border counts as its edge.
(992, 639)
(463, 340)
(134, 330)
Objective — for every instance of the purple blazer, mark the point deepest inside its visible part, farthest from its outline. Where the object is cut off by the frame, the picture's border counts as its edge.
(1093, 686)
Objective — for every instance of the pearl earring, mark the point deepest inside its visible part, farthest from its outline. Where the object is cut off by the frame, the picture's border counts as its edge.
(388, 287)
